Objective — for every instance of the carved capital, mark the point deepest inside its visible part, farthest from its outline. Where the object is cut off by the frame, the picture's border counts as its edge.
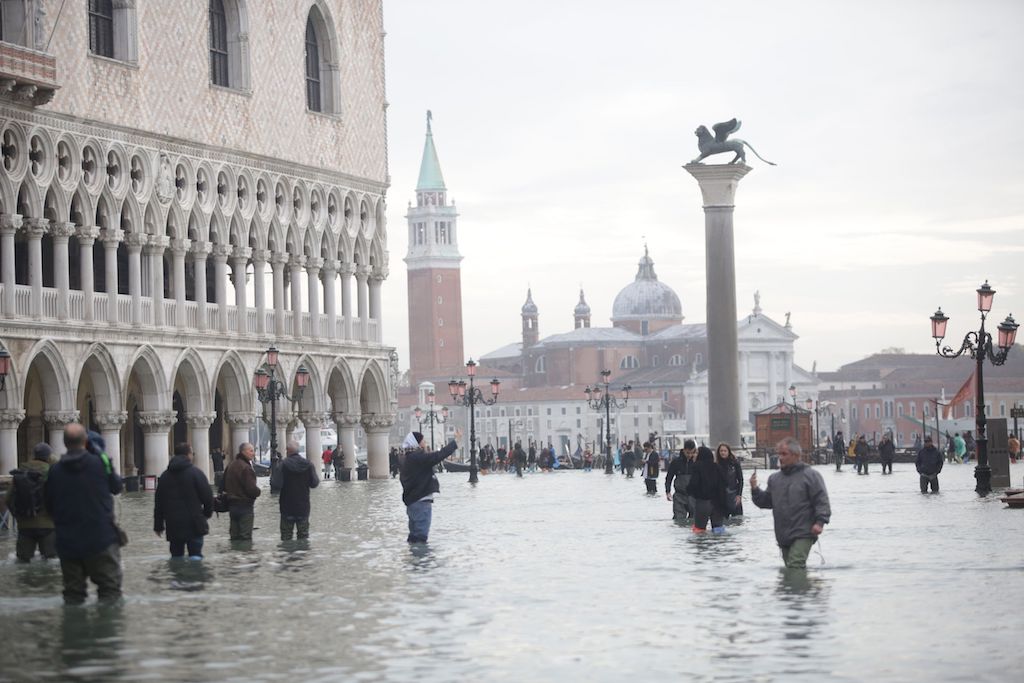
(108, 422)
(330, 268)
(135, 241)
(362, 273)
(111, 236)
(241, 254)
(200, 250)
(347, 269)
(345, 421)
(62, 231)
(11, 419)
(313, 420)
(35, 228)
(314, 264)
(377, 423)
(180, 247)
(379, 275)
(200, 420)
(238, 420)
(260, 255)
(155, 421)
(10, 222)
(297, 261)
(220, 252)
(58, 419)
(87, 235)
(278, 259)
(157, 244)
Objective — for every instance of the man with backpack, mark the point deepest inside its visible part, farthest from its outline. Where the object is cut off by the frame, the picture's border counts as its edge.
(182, 504)
(25, 501)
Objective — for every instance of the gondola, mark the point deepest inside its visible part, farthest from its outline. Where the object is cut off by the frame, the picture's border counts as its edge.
(450, 466)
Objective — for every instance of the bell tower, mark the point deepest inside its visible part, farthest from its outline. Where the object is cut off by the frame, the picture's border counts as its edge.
(434, 273)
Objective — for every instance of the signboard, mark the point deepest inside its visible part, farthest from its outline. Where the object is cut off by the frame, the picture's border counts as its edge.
(1017, 412)
(781, 423)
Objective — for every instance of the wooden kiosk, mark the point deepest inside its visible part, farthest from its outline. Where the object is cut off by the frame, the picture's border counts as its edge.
(783, 419)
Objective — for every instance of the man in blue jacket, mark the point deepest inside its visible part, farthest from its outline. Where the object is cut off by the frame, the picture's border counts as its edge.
(419, 483)
(79, 495)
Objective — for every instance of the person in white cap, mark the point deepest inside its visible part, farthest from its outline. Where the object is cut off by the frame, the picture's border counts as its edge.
(419, 483)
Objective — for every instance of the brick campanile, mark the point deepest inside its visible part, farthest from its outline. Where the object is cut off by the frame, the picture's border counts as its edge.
(435, 283)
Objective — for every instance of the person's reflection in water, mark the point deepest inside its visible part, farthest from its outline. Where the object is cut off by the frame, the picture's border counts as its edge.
(802, 601)
(294, 555)
(91, 640)
(189, 575)
(422, 558)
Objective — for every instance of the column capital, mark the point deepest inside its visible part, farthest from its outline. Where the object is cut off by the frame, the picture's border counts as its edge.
(200, 420)
(297, 261)
(260, 255)
(135, 241)
(379, 275)
(240, 419)
(111, 235)
(110, 421)
(347, 269)
(345, 420)
(10, 419)
(241, 254)
(10, 222)
(201, 250)
(220, 252)
(284, 418)
(362, 272)
(314, 420)
(718, 182)
(314, 264)
(330, 266)
(278, 259)
(155, 421)
(157, 244)
(180, 247)
(56, 419)
(87, 235)
(62, 231)
(35, 228)
(377, 423)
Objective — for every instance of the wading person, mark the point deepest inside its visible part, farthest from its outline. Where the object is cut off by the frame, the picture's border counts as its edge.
(929, 464)
(839, 450)
(707, 486)
(419, 483)
(519, 457)
(242, 490)
(798, 500)
(678, 472)
(182, 504)
(861, 451)
(652, 468)
(298, 476)
(79, 494)
(886, 453)
(732, 472)
(25, 501)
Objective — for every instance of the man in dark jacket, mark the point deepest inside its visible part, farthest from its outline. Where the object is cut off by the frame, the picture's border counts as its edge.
(797, 497)
(886, 452)
(860, 452)
(298, 477)
(679, 471)
(182, 504)
(35, 526)
(79, 494)
(839, 450)
(929, 464)
(707, 486)
(652, 468)
(242, 491)
(419, 484)
(519, 458)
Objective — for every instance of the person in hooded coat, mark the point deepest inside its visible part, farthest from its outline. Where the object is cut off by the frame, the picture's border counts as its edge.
(929, 463)
(182, 504)
(732, 472)
(707, 486)
(298, 476)
(419, 483)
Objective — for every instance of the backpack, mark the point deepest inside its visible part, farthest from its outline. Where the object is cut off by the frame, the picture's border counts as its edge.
(28, 493)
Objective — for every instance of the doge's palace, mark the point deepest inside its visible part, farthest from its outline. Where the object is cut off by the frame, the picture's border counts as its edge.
(183, 186)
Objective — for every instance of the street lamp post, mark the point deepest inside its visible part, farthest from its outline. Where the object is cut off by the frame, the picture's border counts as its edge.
(813, 405)
(470, 396)
(600, 396)
(270, 389)
(796, 426)
(432, 416)
(979, 346)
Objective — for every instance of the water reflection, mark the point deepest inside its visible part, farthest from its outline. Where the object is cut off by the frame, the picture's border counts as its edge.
(91, 640)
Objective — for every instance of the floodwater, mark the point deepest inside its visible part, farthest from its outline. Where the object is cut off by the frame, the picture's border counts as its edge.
(565, 576)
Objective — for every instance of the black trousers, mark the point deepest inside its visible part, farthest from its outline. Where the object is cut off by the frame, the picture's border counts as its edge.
(887, 465)
(932, 479)
(706, 510)
(652, 486)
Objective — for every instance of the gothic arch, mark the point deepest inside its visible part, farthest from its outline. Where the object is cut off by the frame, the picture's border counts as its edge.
(104, 376)
(146, 367)
(238, 236)
(176, 227)
(329, 48)
(257, 235)
(29, 203)
(56, 383)
(373, 391)
(237, 395)
(340, 388)
(198, 225)
(82, 209)
(107, 216)
(8, 200)
(130, 221)
(192, 371)
(14, 384)
(327, 246)
(56, 206)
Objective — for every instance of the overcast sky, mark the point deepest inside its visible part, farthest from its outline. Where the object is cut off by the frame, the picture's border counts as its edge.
(562, 126)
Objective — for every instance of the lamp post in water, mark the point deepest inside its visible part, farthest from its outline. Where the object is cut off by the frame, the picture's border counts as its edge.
(469, 397)
(269, 389)
(979, 346)
(432, 416)
(600, 396)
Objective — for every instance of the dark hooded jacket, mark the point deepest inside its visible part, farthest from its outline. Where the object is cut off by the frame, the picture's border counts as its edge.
(79, 494)
(679, 470)
(706, 481)
(886, 450)
(418, 480)
(183, 501)
(298, 477)
(929, 460)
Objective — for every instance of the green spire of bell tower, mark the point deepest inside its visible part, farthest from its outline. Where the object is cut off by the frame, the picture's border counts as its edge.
(430, 167)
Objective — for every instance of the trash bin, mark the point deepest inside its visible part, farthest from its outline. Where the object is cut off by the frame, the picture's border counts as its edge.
(362, 472)
(343, 474)
(131, 483)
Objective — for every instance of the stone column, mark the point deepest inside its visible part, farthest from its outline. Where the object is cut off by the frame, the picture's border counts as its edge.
(200, 250)
(156, 425)
(329, 275)
(178, 250)
(362, 300)
(314, 422)
(220, 276)
(313, 292)
(346, 426)
(376, 280)
(277, 263)
(347, 271)
(285, 420)
(62, 232)
(377, 428)
(239, 260)
(296, 264)
(155, 251)
(56, 421)
(787, 370)
(259, 269)
(773, 379)
(87, 235)
(199, 437)
(9, 422)
(744, 386)
(110, 429)
(10, 223)
(718, 187)
(35, 228)
(111, 239)
(135, 241)
(241, 428)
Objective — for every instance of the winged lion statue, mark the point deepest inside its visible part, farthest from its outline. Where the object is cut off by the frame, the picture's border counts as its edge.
(720, 142)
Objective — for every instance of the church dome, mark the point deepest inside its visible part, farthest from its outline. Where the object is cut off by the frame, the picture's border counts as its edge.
(646, 298)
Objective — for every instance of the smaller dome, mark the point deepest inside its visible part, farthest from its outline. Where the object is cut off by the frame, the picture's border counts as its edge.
(529, 308)
(582, 308)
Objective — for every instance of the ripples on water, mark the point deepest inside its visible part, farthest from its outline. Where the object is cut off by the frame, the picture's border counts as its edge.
(560, 576)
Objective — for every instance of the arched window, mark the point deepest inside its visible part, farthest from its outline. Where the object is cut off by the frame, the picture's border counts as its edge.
(112, 29)
(321, 64)
(313, 100)
(218, 44)
(14, 24)
(676, 360)
(629, 363)
(539, 366)
(655, 361)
